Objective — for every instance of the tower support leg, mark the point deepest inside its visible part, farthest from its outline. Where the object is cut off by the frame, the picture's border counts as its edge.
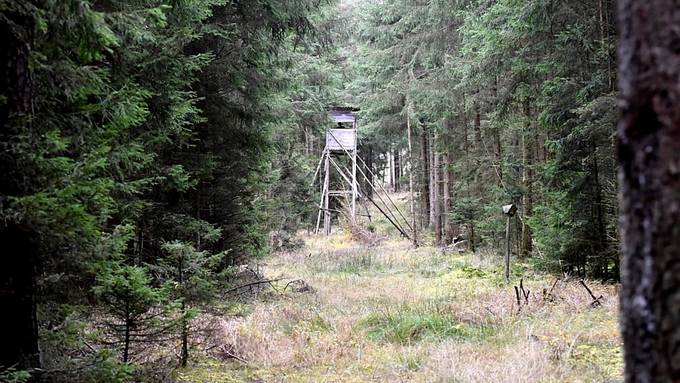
(326, 182)
(354, 185)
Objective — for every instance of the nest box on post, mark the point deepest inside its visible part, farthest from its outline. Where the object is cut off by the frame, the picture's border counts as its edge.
(510, 210)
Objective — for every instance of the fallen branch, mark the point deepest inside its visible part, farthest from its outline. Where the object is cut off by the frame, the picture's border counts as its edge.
(548, 294)
(255, 283)
(596, 300)
(232, 355)
(525, 293)
(90, 347)
(489, 310)
(291, 282)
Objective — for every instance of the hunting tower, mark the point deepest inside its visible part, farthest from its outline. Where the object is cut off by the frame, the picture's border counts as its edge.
(341, 141)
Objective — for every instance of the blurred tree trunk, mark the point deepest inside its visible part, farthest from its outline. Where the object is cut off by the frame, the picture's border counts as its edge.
(649, 156)
(19, 242)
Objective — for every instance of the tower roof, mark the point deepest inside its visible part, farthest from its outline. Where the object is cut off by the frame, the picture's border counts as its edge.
(343, 113)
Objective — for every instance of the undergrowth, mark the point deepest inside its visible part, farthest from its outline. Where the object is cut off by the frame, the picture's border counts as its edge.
(391, 313)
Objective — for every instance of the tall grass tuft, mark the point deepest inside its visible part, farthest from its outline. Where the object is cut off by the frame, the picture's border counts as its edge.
(411, 326)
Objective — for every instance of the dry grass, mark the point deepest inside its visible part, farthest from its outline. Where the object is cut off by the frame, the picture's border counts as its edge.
(390, 313)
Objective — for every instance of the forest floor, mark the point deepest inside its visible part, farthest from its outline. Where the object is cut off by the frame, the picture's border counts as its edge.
(392, 313)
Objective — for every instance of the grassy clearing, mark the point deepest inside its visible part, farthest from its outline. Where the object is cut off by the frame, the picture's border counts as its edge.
(391, 313)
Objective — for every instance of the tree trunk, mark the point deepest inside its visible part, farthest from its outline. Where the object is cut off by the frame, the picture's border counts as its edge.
(499, 154)
(126, 340)
(424, 177)
(409, 136)
(390, 169)
(469, 187)
(478, 153)
(471, 242)
(184, 354)
(478, 132)
(368, 190)
(447, 174)
(18, 297)
(527, 184)
(436, 185)
(600, 235)
(433, 181)
(19, 242)
(649, 155)
(397, 170)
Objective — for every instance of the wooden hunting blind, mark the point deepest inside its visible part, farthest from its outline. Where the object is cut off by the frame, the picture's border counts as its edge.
(339, 157)
(344, 135)
(341, 140)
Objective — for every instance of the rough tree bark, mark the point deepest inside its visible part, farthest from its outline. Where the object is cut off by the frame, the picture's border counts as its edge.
(649, 156)
(19, 242)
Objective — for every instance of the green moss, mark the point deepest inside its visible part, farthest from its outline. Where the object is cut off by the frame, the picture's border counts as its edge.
(471, 272)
